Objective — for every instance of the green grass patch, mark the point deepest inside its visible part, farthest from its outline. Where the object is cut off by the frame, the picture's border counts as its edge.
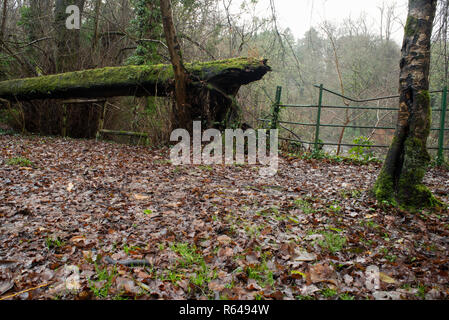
(261, 273)
(328, 293)
(105, 277)
(20, 161)
(193, 261)
(332, 242)
(346, 296)
(305, 206)
(53, 243)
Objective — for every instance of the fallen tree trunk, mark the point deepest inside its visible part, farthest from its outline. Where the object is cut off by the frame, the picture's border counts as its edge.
(225, 76)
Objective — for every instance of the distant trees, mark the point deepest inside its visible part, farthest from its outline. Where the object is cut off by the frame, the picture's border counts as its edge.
(34, 42)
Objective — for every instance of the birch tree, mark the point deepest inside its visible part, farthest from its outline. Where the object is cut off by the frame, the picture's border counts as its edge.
(400, 181)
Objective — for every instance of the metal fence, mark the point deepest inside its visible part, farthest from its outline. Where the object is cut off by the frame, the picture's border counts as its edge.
(276, 121)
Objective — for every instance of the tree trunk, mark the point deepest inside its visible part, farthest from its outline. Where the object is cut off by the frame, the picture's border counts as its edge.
(4, 16)
(211, 85)
(67, 41)
(400, 181)
(96, 25)
(181, 115)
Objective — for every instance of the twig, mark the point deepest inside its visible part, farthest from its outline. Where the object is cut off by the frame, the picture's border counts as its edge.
(291, 131)
(27, 290)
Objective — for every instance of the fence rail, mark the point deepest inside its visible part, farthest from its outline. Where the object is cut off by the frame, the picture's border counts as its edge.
(278, 106)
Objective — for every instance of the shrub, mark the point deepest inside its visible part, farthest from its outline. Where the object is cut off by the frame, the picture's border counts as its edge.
(363, 151)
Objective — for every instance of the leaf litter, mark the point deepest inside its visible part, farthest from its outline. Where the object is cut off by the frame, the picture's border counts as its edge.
(218, 232)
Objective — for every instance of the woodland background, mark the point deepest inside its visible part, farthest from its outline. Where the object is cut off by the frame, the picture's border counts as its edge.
(350, 57)
(74, 211)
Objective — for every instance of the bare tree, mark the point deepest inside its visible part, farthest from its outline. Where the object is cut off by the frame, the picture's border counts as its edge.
(181, 113)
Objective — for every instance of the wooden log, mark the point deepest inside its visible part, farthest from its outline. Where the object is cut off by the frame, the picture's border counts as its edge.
(146, 80)
(124, 133)
(83, 101)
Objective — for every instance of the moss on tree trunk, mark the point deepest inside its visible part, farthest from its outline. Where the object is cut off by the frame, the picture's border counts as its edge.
(400, 181)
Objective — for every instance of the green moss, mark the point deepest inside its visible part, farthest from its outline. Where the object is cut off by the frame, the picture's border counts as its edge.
(204, 69)
(87, 78)
(423, 97)
(423, 123)
(384, 187)
(411, 26)
(118, 76)
(411, 192)
(418, 197)
(19, 161)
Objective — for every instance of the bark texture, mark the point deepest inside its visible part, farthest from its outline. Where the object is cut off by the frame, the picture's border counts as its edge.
(181, 114)
(400, 181)
(4, 16)
(67, 41)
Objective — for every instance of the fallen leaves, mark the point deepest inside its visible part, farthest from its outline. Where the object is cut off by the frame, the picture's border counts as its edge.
(5, 286)
(321, 273)
(304, 256)
(140, 197)
(243, 237)
(127, 285)
(385, 278)
(224, 240)
(216, 286)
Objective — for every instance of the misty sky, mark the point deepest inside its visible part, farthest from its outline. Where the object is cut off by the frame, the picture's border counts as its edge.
(300, 15)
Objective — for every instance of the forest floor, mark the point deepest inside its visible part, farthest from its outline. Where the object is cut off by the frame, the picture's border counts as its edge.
(207, 232)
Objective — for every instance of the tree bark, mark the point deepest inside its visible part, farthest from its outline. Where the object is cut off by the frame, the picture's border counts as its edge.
(181, 114)
(4, 16)
(67, 41)
(96, 25)
(400, 180)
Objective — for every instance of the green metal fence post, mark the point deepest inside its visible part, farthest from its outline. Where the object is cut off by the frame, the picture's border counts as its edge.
(318, 118)
(276, 109)
(440, 158)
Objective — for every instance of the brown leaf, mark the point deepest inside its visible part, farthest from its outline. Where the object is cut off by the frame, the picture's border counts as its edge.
(321, 273)
(143, 275)
(216, 286)
(224, 240)
(225, 252)
(127, 285)
(5, 286)
(386, 278)
(140, 197)
(252, 285)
